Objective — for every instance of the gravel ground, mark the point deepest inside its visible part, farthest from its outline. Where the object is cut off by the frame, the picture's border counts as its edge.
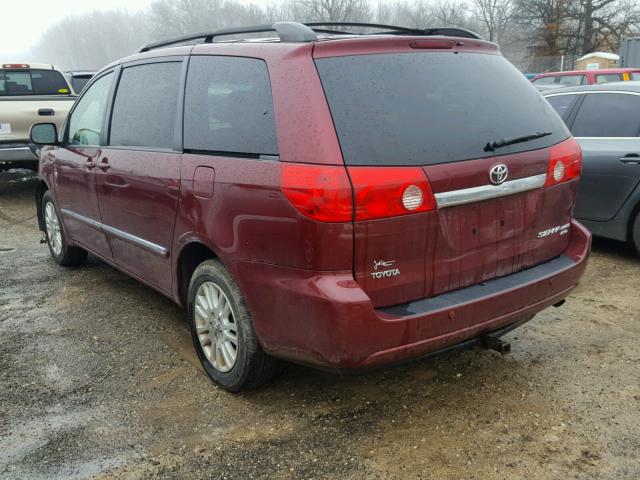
(98, 380)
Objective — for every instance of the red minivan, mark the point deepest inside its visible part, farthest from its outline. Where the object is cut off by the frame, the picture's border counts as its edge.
(335, 199)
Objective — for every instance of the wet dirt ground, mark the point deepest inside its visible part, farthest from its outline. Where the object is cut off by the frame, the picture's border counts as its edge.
(98, 380)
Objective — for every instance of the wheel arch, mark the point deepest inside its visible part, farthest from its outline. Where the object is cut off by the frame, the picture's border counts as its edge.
(41, 189)
(192, 254)
(632, 218)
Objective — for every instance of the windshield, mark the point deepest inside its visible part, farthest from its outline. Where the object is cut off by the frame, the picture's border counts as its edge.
(424, 108)
(32, 82)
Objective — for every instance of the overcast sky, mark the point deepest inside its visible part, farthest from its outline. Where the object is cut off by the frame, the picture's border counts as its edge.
(24, 20)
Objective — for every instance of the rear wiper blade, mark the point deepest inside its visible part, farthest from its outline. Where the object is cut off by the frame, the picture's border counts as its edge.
(503, 142)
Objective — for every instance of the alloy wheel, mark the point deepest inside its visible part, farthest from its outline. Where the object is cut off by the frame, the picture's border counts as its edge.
(54, 235)
(216, 327)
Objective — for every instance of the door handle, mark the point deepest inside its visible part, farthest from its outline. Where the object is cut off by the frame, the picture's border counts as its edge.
(104, 164)
(46, 112)
(89, 164)
(631, 159)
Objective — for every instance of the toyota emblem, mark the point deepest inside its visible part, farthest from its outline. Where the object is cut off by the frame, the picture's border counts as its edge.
(498, 173)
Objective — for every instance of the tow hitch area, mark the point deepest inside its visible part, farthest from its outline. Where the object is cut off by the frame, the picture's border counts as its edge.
(495, 343)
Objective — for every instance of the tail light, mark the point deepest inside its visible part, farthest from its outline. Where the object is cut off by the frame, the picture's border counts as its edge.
(319, 192)
(565, 162)
(381, 192)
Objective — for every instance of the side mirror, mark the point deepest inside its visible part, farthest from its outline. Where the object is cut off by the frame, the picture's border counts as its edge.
(44, 134)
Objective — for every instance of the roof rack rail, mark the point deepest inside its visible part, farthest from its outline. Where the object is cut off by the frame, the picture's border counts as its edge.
(287, 31)
(307, 32)
(394, 30)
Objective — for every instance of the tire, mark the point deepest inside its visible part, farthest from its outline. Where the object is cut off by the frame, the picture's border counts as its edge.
(63, 253)
(220, 321)
(635, 233)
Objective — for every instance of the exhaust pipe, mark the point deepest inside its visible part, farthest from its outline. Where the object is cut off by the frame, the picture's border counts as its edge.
(495, 343)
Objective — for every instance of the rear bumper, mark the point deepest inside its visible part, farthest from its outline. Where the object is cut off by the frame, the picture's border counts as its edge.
(16, 153)
(326, 319)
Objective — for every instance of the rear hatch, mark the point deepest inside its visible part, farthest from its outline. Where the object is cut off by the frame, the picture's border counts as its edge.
(435, 117)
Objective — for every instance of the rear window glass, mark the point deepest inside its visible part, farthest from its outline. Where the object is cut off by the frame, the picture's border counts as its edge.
(608, 115)
(424, 108)
(32, 82)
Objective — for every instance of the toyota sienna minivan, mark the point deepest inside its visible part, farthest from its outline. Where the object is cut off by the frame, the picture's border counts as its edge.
(341, 200)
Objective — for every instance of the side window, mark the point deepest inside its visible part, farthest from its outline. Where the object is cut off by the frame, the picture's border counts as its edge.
(635, 76)
(228, 107)
(18, 82)
(608, 77)
(87, 119)
(608, 115)
(146, 105)
(570, 80)
(562, 104)
(544, 81)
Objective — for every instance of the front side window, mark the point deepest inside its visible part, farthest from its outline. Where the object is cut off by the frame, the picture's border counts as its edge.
(32, 82)
(228, 107)
(562, 104)
(87, 118)
(145, 107)
(608, 115)
(609, 77)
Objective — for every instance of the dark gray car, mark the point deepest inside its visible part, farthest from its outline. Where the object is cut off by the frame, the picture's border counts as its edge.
(605, 120)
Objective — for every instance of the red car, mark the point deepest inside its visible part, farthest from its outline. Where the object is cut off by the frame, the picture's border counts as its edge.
(585, 77)
(339, 200)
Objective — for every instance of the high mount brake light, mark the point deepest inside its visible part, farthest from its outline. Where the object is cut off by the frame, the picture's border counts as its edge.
(565, 162)
(15, 65)
(381, 192)
(319, 192)
(434, 44)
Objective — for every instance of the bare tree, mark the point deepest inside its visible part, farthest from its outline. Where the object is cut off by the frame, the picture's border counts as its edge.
(495, 16)
(602, 22)
(177, 17)
(329, 10)
(546, 26)
(92, 40)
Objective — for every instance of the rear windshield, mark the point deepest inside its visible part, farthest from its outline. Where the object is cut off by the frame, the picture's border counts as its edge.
(32, 82)
(424, 108)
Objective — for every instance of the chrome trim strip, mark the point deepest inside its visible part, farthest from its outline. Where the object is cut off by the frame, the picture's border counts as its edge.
(607, 138)
(485, 192)
(82, 218)
(141, 242)
(549, 93)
